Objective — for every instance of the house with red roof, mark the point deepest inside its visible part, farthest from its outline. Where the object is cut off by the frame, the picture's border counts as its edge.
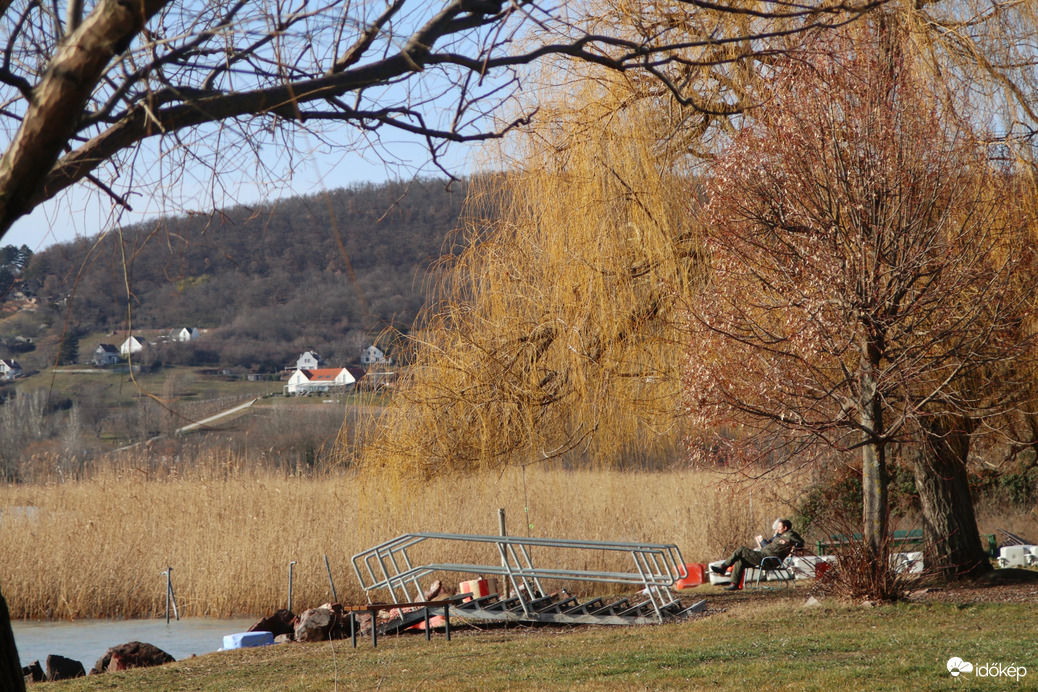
(307, 381)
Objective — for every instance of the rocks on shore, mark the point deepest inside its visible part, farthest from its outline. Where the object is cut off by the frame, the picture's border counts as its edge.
(61, 668)
(322, 623)
(282, 622)
(34, 672)
(315, 625)
(131, 655)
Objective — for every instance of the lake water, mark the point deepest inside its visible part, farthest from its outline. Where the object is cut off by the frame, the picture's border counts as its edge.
(88, 640)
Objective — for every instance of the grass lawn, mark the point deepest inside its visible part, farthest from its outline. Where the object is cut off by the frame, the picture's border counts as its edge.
(746, 641)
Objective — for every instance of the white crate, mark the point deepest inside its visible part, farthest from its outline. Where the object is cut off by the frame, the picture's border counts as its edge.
(1017, 555)
(769, 575)
(243, 640)
(907, 562)
(806, 566)
(716, 579)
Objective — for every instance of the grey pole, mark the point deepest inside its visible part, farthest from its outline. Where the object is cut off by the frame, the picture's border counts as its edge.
(328, 567)
(290, 564)
(504, 562)
(171, 597)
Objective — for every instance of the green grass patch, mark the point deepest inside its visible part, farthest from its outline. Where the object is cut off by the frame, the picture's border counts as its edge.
(761, 643)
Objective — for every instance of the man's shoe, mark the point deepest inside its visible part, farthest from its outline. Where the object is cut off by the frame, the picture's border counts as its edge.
(732, 587)
(717, 569)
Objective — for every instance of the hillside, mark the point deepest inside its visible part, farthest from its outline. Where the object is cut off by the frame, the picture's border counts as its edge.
(327, 272)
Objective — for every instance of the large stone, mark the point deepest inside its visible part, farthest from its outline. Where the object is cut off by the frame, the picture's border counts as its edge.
(341, 623)
(34, 672)
(363, 622)
(434, 590)
(315, 625)
(61, 668)
(131, 655)
(281, 622)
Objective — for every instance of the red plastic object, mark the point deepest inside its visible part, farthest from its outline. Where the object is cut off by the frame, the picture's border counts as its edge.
(434, 622)
(696, 576)
(477, 587)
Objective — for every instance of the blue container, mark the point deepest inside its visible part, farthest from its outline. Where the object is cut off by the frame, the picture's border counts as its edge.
(243, 640)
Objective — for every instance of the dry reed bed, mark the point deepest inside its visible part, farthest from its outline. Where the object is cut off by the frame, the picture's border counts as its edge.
(97, 548)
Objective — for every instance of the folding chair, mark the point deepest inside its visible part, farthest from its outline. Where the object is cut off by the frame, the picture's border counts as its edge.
(780, 568)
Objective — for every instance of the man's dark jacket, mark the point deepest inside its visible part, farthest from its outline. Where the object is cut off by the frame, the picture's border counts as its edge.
(781, 544)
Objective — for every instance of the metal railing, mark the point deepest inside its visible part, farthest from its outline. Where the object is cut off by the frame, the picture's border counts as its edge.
(388, 566)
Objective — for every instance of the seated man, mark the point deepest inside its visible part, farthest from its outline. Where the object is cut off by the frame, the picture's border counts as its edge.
(780, 545)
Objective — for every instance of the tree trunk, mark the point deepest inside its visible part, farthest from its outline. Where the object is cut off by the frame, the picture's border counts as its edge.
(874, 498)
(10, 667)
(873, 473)
(949, 523)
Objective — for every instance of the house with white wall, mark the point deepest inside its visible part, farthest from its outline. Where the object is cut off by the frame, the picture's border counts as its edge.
(106, 354)
(133, 344)
(9, 370)
(310, 360)
(306, 381)
(373, 355)
(184, 334)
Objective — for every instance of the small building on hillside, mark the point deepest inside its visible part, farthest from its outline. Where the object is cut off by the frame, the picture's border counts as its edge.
(133, 344)
(306, 381)
(373, 355)
(106, 354)
(184, 334)
(310, 360)
(9, 370)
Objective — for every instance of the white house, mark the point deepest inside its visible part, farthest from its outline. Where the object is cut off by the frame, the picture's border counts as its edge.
(184, 334)
(305, 381)
(372, 355)
(310, 360)
(105, 354)
(9, 369)
(132, 344)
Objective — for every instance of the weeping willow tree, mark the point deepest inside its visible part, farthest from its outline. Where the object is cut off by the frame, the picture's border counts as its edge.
(557, 326)
(559, 329)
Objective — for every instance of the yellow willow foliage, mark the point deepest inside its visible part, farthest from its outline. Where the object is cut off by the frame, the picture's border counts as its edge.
(557, 332)
(985, 48)
(984, 55)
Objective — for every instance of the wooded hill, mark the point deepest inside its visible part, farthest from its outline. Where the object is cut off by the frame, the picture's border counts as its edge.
(327, 272)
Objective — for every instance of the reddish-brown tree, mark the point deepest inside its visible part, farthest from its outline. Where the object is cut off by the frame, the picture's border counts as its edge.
(864, 276)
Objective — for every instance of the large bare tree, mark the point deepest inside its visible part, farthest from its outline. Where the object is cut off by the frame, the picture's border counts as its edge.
(108, 93)
(866, 279)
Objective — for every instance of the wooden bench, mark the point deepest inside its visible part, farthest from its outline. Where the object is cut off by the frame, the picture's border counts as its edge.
(910, 538)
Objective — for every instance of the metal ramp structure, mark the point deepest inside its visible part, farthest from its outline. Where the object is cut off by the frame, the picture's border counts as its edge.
(656, 567)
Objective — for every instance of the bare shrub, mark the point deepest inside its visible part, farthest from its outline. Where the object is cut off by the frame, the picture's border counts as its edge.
(860, 573)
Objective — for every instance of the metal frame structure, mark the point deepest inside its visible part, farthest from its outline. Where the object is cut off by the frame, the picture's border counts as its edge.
(656, 568)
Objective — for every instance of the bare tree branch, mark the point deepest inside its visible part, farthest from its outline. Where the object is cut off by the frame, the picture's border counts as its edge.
(82, 96)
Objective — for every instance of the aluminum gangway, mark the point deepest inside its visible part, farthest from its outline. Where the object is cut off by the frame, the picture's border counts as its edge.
(656, 567)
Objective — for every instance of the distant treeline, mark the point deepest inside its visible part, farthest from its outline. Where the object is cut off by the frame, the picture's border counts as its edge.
(325, 272)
